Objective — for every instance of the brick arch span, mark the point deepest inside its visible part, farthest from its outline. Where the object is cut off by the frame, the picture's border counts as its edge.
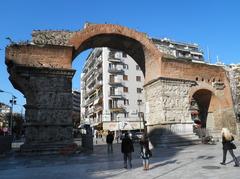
(201, 86)
(212, 110)
(134, 43)
(42, 71)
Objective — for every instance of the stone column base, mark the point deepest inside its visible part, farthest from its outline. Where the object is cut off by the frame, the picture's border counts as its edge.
(48, 148)
(173, 134)
(171, 128)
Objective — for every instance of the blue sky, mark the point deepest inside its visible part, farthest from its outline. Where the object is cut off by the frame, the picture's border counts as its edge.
(214, 24)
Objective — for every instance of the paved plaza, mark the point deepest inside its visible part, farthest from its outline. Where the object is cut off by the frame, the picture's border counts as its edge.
(198, 161)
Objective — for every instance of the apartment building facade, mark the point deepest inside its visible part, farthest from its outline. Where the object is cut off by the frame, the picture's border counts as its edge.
(112, 95)
(180, 50)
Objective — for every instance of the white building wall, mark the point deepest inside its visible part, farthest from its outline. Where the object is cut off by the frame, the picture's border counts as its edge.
(106, 113)
(133, 108)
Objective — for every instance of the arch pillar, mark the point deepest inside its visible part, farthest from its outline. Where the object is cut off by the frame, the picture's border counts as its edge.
(48, 109)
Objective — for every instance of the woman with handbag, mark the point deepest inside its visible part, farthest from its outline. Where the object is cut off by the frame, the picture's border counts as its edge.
(145, 152)
(227, 139)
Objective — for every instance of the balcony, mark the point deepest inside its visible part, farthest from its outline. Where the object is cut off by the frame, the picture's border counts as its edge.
(88, 73)
(116, 95)
(98, 84)
(116, 82)
(89, 91)
(98, 107)
(115, 60)
(91, 110)
(99, 70)
(116, 70)
(117, 109)
(91, 100)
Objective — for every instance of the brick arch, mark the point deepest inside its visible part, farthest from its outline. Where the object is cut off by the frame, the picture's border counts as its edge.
(210, 106)
(134, 43)
(200, 86)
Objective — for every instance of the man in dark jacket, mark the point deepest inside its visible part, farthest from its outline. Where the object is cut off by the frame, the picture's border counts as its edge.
(127, 149)
(109, 141)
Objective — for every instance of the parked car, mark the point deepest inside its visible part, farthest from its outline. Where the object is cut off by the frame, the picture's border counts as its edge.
(136, 136)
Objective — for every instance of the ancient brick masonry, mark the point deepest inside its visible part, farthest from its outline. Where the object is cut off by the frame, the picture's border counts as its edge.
(42, 71)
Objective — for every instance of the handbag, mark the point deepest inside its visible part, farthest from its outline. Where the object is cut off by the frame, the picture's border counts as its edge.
(232, 145)
(150, 145)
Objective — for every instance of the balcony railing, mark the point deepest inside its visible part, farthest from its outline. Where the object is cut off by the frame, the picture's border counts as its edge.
(115, 60)
(90, 100)
(118, 109)
(116, 82)
(98, 84)
(116, 95)
(89, 91)
(91, 110)
(116, 70)
(98, 107)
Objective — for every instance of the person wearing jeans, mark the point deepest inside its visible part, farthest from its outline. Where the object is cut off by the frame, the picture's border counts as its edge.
(127, 149)
(227, 139)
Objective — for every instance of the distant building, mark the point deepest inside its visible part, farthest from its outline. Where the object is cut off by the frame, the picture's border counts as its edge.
(76, 107)
(234, 76)
(4, 110)
(112, 91)
(179, 50)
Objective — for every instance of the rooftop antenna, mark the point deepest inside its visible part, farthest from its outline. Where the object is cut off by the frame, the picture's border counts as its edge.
(218, 61)
(208, 54)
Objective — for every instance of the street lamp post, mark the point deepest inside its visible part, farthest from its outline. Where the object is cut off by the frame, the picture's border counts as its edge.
(139, 113)
(12, 101)
(118, 129)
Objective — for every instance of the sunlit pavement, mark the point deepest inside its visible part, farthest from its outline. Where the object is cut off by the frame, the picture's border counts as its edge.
(199, 161)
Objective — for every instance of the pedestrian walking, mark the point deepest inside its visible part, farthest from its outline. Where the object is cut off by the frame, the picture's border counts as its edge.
(227, 139)
(145, 152)
(127, 149)
(109, 140)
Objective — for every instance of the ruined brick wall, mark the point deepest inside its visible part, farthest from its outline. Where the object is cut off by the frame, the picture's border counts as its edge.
(39, 56)
(213, 75)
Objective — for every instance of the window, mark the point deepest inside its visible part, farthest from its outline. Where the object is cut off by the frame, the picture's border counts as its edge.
(124, 55)
(126, 114)
(126, 102)
(139, 90)
(140, 114)
(138, 78)
(137, 67)
(125, 89)
(112, 116)
(125, 66)
(139, 101)
(125, 77)
(111, 78)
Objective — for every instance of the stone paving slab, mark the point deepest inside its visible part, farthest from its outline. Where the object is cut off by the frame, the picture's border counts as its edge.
(198, 161)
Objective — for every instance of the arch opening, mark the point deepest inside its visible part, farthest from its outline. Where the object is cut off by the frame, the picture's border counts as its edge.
(200, 109)
(116, 100)
(118, 42)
